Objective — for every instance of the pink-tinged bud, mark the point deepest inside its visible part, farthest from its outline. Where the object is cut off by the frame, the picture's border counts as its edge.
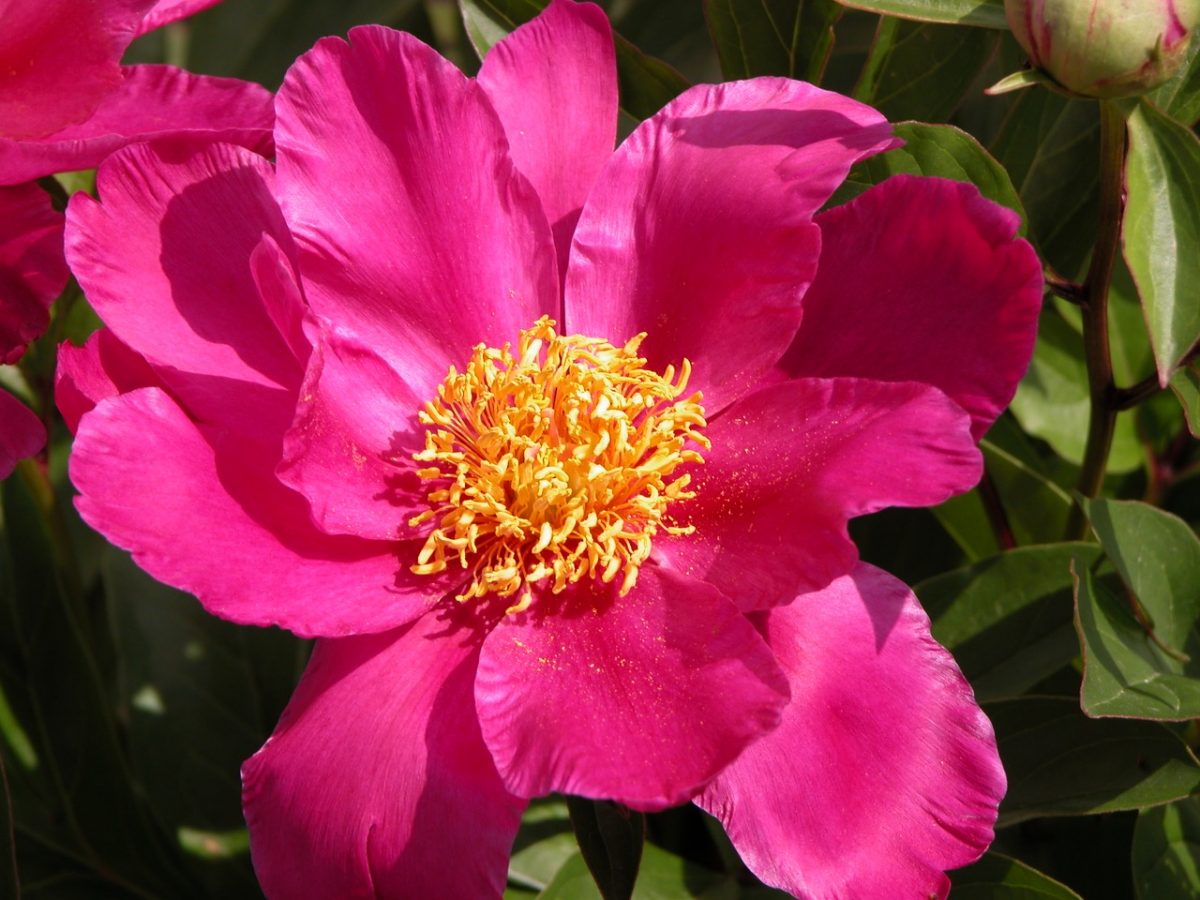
(1105, 48)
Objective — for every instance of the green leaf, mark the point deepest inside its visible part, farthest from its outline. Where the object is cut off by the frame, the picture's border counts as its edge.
(965, 519)
(1132, 356)
(998, 877)
(50, 638)
(984, 13)
(1131, 669)
(1050, 147)
(1180, 97)
(611, 837)
(1007, 620)
(9, 877)
(646, 84)
(1052, 401)
(1162, 231)
(920, 71)
(772, 37)
(202, 696)
(1166, 852)
(1141, 648)
(942, 151)
(663, 876)
(259, 41)
(1156, 554)
(1029, 482)
(1025, 78)
(1061, 763)
(1186, 385)
(1035, 507)
(544, 842)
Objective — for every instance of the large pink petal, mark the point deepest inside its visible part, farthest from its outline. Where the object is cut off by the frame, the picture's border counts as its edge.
(59, 59)
(350, 448)
(640, 699)
(149, 102)
(376, 782)
(166, 260)
(414, 228)
(923, 279)
(32, 268)
(216, 523)
(698, 230)
(884, 772)
(791, 463)
(166, 11)
(21, 433)
(103, 367)
(553, 82)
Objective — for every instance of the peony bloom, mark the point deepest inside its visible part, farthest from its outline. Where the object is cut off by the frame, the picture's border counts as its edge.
(32, 273)
(65, 104)
(554, 448)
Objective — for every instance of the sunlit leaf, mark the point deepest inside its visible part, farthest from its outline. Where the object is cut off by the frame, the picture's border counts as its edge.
(1186, 385)
(1162, 231)
(941, 151)
(1141, 647)
(543, 844)
(1166, 852)
(1053, 402)
(1180, 97)
(984, 13)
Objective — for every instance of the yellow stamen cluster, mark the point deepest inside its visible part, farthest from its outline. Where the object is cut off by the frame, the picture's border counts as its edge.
(554, 464)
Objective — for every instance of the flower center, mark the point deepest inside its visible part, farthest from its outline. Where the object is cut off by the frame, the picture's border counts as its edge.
(554, 464)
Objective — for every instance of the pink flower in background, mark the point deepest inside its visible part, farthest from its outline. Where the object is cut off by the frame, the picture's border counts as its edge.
(32, 273)
(392, 393)
(65, 104)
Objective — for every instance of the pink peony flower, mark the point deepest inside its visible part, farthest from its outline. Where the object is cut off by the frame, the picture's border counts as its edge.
(394, 392)
(66, 102)
(32, 273)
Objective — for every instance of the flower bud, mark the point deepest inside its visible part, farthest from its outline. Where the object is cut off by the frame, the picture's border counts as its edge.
(1105, 48)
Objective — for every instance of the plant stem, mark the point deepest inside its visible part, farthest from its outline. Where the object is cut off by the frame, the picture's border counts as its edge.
(1102, 391)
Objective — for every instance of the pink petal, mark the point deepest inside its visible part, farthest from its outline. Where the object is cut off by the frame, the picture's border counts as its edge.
(376, 782)
(58, 60)
(21, 433)
(166, 262)
(792, 463)
(414, 229)
(149, 102)
(213, 521)
(32, 269)
(103, 367)
(884, 772)
(699, 229)
(553, 82)
(922, 279)
(640, 699)
(166, 11)
(350, 448)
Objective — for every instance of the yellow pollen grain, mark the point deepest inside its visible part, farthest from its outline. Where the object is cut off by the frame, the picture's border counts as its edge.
(554, 463)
